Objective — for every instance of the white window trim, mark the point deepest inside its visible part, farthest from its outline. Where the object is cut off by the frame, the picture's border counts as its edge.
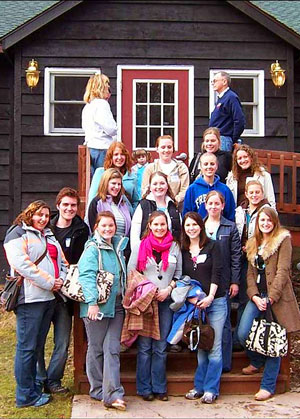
(175, 82)
(190, 70)
(259, 95)
(48, 123)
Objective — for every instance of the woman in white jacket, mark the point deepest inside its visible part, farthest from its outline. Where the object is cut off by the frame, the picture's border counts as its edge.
(245, 167)
(33, 252)
(98, 122)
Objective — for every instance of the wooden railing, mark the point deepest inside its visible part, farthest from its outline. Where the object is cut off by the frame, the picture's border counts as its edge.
(283, 165)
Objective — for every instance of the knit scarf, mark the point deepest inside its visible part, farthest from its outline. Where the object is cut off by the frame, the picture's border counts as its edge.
(149, 243)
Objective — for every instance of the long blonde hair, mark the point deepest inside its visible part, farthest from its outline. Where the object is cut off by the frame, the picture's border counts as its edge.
(96, 87)
(254, 242)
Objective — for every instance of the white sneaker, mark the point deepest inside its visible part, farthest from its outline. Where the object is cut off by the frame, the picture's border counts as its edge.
(208, 397)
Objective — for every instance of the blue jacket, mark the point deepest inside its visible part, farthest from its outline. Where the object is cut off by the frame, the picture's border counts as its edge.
(194, 199)
(230, 246)
(228, 116)
(112, 261)
(129, 182)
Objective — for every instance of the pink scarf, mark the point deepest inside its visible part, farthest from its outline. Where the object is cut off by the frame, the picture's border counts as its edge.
(149, 243)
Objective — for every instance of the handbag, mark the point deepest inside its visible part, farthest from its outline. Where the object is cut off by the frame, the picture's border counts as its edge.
(267, 336)
(72, 287)
(10, 293)
(197, 334)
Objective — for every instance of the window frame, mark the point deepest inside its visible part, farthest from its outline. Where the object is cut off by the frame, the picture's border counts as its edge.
(148, 104)
(49, 76)
(258, 95)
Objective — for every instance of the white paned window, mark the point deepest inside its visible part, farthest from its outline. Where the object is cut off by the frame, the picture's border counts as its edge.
(64, 89)
(155, 111)
(249, 85)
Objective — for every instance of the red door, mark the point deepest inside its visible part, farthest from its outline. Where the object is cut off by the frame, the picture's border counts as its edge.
(155, 102)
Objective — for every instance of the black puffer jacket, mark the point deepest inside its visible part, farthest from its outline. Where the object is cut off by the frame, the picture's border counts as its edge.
(148, 206)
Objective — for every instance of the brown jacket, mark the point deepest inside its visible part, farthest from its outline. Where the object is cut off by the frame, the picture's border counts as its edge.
(277, 256)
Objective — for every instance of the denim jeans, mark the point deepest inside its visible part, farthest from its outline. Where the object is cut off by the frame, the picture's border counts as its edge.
(227, 338)
(242, 297)
(103, 356)
(226, 143)
(209, 370)
(62, 322)
(152, 355)
(33, 322)
(272, 365)
(97, 158)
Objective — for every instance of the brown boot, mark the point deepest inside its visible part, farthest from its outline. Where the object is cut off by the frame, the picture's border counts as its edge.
(250, 370)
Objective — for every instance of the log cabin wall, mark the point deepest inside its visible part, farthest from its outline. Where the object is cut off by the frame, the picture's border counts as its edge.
(205, 34)
(6, 152)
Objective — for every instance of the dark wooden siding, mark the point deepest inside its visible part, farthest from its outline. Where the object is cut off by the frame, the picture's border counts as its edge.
(297, 102)
(5, 156)
(205, 34)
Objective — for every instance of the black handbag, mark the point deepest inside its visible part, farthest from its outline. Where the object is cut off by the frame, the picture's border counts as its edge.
(197, 334)
(10, 293)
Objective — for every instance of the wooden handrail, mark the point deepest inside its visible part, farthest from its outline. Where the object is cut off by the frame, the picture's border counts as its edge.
(281, 164)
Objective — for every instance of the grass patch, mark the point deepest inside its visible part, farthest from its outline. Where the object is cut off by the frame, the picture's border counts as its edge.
(59, 407)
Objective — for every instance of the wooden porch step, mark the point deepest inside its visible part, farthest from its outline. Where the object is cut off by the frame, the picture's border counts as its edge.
(180, 383)
(181, 361)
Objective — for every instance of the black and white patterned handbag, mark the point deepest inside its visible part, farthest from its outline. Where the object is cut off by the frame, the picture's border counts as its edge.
(73, 289)
(267, 336)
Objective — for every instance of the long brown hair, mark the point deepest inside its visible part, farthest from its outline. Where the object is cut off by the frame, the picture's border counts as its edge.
(270, 212)
(152, 216)
(27, 214)
(169, 190)
(185, 240)
(256, 166)
(108, 162)
(108, 175)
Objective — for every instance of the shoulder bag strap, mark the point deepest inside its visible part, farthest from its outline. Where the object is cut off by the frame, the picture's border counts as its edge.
(100, 265)
(42, 256)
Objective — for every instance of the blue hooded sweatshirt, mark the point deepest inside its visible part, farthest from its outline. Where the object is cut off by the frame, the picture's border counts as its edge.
(194, 199)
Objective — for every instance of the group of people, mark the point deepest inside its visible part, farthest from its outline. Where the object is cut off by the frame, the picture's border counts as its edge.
(218, 237)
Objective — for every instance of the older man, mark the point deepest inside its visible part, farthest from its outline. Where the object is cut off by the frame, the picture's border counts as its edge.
(228, 115)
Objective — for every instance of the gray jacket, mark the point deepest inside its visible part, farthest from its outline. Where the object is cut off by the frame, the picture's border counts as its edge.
(153, 270)
(23, 245)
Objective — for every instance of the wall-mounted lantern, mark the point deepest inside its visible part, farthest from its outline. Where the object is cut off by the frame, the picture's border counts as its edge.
(32, 74)
(277, 74)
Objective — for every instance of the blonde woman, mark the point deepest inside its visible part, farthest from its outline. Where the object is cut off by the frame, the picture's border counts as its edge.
(212, 144)
(97, 119)
(269, 253)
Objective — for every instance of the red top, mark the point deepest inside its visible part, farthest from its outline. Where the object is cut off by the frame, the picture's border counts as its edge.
(52, 250)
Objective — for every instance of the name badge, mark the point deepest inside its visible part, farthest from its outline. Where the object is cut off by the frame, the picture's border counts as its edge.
(68, 241)
(201, 258)
(172, 259)
(174, 178)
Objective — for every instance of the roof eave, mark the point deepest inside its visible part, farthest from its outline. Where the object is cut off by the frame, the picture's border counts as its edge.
(267, 21)
(36, 23)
